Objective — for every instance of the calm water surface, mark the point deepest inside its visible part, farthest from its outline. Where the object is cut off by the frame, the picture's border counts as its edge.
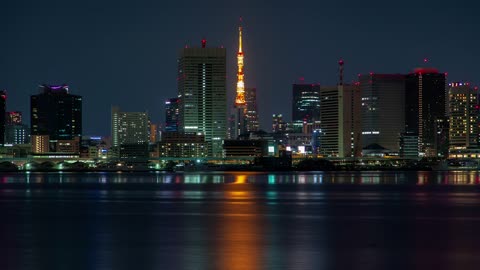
(238, 220)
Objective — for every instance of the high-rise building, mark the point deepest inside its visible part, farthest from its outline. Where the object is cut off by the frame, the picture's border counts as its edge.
(340, 124)
(463, 116)
(129, 127)
(40, 144)
(203, 94)
(231, 126)
(425, 110)
(56, 113)
(382, 110)
(251, 110)
(186, 145)
(3, 104)
(15, 131)
(340, 120)
(278, 124)
(305, 104)
(171, 114)
(13, 118)
(153, 131)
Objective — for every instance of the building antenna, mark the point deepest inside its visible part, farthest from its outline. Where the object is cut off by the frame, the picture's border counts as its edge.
(340, 68)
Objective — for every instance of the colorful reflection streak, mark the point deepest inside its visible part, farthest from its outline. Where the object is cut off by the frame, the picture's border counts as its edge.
(239, 233)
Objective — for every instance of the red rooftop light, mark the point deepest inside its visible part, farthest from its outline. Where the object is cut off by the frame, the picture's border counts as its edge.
(425, 70)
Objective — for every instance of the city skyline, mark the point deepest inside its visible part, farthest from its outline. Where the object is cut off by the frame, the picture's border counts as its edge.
(105, 62)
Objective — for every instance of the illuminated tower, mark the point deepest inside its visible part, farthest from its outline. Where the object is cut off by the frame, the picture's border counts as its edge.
(240, 98)
(240, 103)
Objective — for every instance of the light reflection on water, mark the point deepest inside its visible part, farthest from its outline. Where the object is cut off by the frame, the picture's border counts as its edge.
(246, 221)
(316, 178)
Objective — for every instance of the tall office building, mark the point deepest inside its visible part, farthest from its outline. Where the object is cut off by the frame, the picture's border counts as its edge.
(203, 94)
(305, 104)
(152, 132)
(171, 114)
(13, 118)
(278, 124)
(463, 116)
(3, 104)
(340, 126)
(425, 108)
(56, 112)
(15, 131)
(251, 110)
(382, 110)
(129, 127)
(340, 119)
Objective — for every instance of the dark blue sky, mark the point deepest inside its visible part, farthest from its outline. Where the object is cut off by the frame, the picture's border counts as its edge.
(124, 52)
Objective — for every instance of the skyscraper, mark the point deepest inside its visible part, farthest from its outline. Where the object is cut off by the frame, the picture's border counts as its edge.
(15, 131)
(382, 110)
(278, 124)
(3, 101)
(425, 110)
(340, 121)
(463, 114)
(305, 104)
(251, 110)
(171, 114)
(340, 118)
(129, 127)
(56, 113)
(13, 117)
(203, 94)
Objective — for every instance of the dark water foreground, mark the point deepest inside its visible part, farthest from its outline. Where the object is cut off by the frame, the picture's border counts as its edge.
(359, 220)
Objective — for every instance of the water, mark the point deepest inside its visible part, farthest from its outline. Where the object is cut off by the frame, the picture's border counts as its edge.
(335, 220)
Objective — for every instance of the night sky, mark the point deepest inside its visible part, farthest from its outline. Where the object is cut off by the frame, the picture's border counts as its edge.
(124, 52)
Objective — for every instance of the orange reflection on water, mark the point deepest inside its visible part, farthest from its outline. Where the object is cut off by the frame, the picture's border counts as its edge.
(240, 179)
(239, 233)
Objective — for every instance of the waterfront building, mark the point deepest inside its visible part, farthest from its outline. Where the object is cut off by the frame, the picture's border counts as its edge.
(129, 127)
(13, 118)
(278, 124)
(57, 115)
(426, 110)
(463, 116)
(171, 114)
(305, 105)
(251, 110)
(153, 132)
(340, 124)
(3, 104)
(409, 145)
(182, 145)
(382, 111)
(246, 148)
(40, 144)
(203, 94)
(15, 131)
(17, 134)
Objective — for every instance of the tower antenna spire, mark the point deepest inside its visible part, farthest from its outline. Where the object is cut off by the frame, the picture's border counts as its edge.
(240, 97)
(240, 36)
(340, 68)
